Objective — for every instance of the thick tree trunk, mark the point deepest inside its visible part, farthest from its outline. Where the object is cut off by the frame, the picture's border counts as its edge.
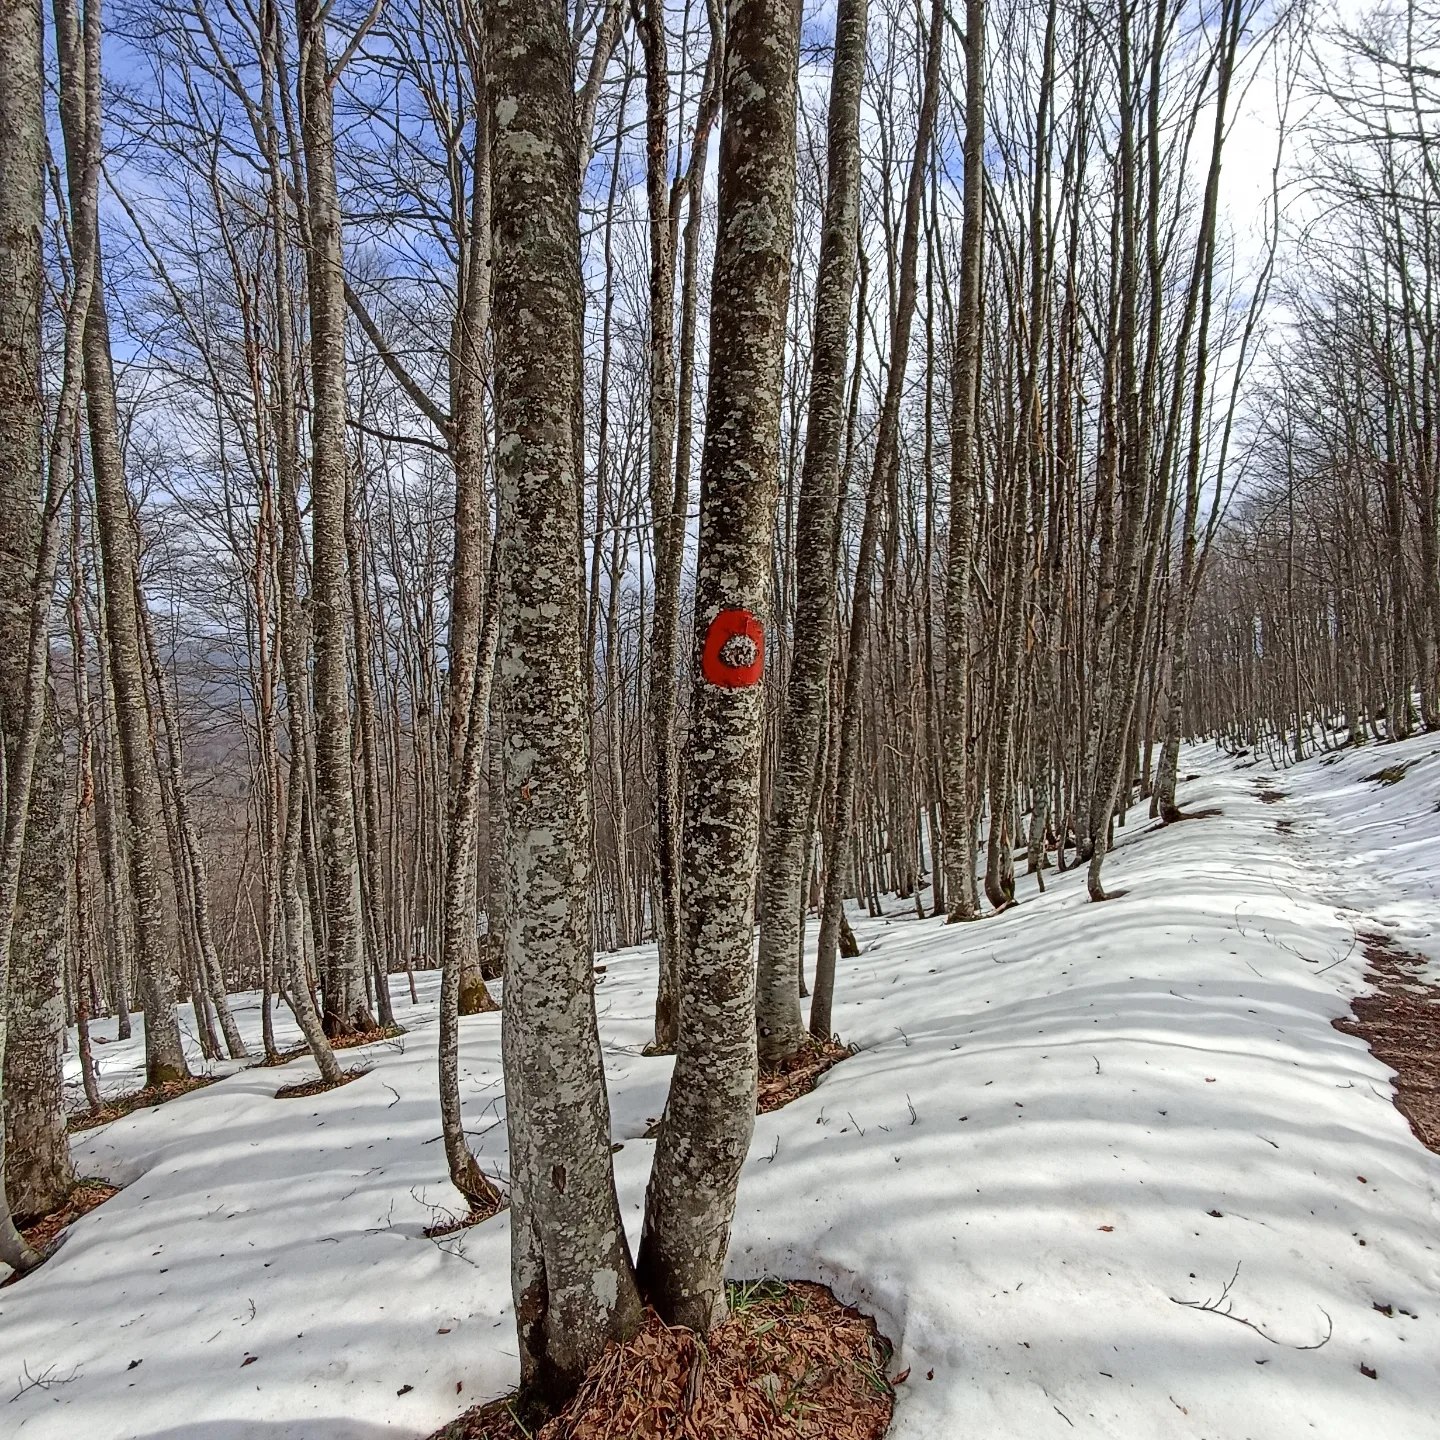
(710, 1113)
(38, 1169)
(29, 516)
(570, 1263)
(33, 1145)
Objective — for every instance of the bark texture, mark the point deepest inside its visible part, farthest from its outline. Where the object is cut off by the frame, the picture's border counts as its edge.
(33, 1144)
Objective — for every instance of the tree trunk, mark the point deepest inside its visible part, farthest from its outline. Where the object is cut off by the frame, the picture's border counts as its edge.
(342, 970)
(710, 1113)
(958, 846)
(570, 1263)
(119, 563)
(883, 479)
(779, 1024)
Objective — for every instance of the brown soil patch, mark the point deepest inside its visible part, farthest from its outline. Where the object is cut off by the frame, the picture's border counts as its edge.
(364, 1037)
(791, 1363)
(1391, 774)
(1285, 827)
(84, 1196)
(120, 1105)
(282, 1057)
(798, 1075)
(1270, 796)
(339, 1042)
(1209, 812)
(1400, 1021)
(318, 1086)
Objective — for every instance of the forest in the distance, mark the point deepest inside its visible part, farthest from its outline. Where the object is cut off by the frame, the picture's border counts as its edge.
(486, 484)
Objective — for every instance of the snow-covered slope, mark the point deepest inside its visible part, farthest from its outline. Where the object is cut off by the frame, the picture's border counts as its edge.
(1068, 1129)
(1370, 818)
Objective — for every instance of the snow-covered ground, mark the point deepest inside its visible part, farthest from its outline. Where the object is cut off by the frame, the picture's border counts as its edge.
(1377, 838)
(1068, 1130)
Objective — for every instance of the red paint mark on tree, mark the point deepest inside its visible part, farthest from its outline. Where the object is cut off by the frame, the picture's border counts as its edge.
(734, 653)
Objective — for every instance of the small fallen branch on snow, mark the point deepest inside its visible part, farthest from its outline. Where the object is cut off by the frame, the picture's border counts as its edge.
(1223, 1305)
(47, 1379)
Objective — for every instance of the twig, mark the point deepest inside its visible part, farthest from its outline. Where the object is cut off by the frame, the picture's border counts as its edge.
(1223, 1305)
(47, 1379)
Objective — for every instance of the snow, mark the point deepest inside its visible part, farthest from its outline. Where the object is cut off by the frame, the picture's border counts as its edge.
(1015, 1174)
(1379, 842)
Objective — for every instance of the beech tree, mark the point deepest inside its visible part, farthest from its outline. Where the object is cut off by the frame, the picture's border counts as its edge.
(32, 1170)
(570, 1262)
(710, 1111)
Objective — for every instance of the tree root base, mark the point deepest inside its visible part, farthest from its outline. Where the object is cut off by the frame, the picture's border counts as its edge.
(43, 1232)
(477, 1215)
(477, 1000)
(790, 1361)
(151, 1095)
(798, 1074)
(318, 1086)
(363, 1037)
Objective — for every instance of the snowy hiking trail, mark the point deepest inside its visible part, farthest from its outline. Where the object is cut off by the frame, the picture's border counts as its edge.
(1016, 1174)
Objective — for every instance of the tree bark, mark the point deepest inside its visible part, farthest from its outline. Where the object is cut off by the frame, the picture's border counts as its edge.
(779, 1023)
(570, 1263)
(119, 563)
(710, 1113)
(342, 971)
